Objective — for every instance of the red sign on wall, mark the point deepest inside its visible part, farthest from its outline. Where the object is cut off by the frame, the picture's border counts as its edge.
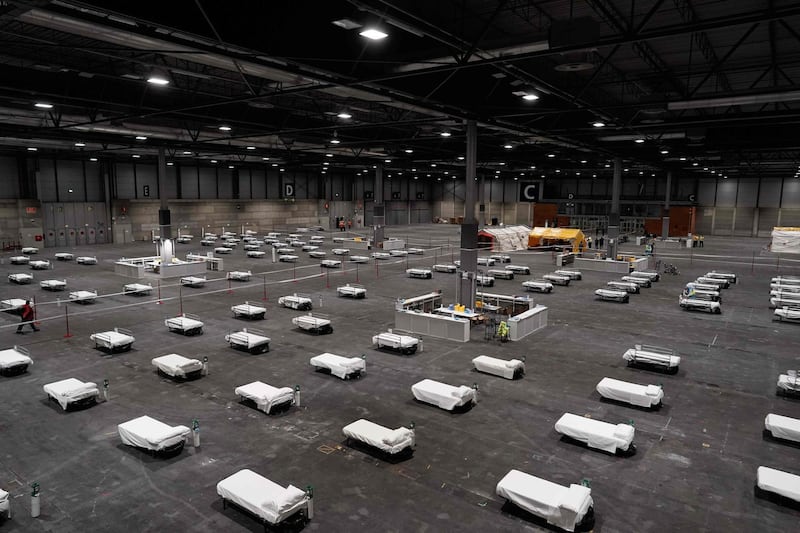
(30, 210)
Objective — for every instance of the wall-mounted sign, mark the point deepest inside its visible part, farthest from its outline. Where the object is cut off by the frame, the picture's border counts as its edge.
(30, 210)
(288, 190)
(145, 190)
(368, 195)
(529, 192)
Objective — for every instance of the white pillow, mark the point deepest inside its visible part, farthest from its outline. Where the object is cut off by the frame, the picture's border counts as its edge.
(289, 498)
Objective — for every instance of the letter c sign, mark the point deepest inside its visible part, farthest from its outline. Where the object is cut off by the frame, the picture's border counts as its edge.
(288, 190)
(529, 192)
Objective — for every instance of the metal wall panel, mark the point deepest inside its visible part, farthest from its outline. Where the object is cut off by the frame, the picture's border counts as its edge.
(124, 181)
(189, 188)
(703, 218)
(273, 184)
(747, 194)
(790, 217)
(208, 182)
(9, 177)
(70, 178)
(791, 193)
(259, 179)
(770, 193)
(171, 185)
(95, 184)
(706, 191)
(743, 221)
(146, 181)
(723, 220)
(726, 192)
(224, 183)
(767, 219)
(47, 181)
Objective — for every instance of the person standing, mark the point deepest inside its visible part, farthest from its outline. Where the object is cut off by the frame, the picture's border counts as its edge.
(27, 318)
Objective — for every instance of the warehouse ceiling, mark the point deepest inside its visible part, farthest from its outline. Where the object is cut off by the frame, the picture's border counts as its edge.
(695, 86)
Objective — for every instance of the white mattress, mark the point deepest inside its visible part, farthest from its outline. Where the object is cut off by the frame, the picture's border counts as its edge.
(288, 258)
(442, 395)
(393, 340)
(151, 434)
(644, 356)
(340, 251)
(561, 506)
(349, 290)
(418, 273)
(11, 357)
(445, 268)
(502, 274)
(19, 260)
(640, 281)
(518, 269)
(788, 382)
(571, 274)
(498, 367)
(247, 309)
(310, 322)
(555, 278)
(70, 390)
(20, 277)
(612, 294)
(223, 250)
(137, 288)
(177, 365)
(623, 391)
(339, 366)
(381, 255)
(12, 304)
(783, 427)
(82, 295)
(595, 433)
(65, 256)
(788, 313)
(538, 285)
(85, 260)
(239, 275)
(260, 496)
(4, 505)
(294, 301)
(779, 482)
(53, 284)
(29, 250)
(255, 253)
(359, 259)
(182, 323)
(193, 281)
(112, 339)
(246, 339)
(265, 396)
(39, 264)
(387, 440)
(330, 263)
(316, 254)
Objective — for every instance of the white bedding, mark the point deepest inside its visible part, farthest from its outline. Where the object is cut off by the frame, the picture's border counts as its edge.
(265, 396)
(498, 367)
(288, 258)
(595, 433)
(183, 324)
(387, 440)
(83, 296)
(442, 395)
(518, 269)
(16, 356)
(41, 264)
(238, 275)
(177, 365)
(359, 259)
(353, 291)
(28, 250)
(137, 288)
(612, 294)
(790, 383)
(295, 302)
(641, 354)
(445, 268)
(86, 260)
(340, 251)
(193, 281)
(405, 343)
(538, 285)
(623, 391)
(783, 427)
(65, 256)
(71, 390)
(561, 506)
(312, 323)
(779, 482)
(339, 366)
(19, 260)
(330, 263)
(53, 284)
(248, 310)
(256, 254)
(571, 274)
(151, 434)
(247, 339)
(112, 340)
(20, 278)
(419, 273)
(262, 497)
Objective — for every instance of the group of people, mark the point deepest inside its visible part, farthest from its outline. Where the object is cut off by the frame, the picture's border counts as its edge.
(598, 242)
(343, 223)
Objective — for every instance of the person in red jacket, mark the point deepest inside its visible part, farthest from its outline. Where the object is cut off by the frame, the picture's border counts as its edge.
(27, 317)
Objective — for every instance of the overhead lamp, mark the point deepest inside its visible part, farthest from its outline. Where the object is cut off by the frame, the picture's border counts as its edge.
(515, 179)
(446, 173)
(136, 156)
(93, 159)
(265, 158)
(530, 97)
(607, 165)
(328, 155)
(187, 152)
(158, 79)
(445, 134)
(412, 170)
(695, 164)
(281, 170)
(598, 124)
(682, 158)
(224, 128)
(639, 141)
(551, 155)
(325, 163)
(344, 115)
(373, 34)
(170, 163)
(387, 160)
(558, 170)
(705, 168)
(80, 144)
(577, 173)
(335, 139)
(141, 138)
(502, 163)
(230, 166)
(32, 148)
(274, 164)
(251, 147)
(213, 160)
(626, 169)
(583, 161)
(460, 158)
(664, 152)
(508, 146)
(43, 105)
(408, 151)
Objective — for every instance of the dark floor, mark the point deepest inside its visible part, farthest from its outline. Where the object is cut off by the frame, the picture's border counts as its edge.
(694, 470)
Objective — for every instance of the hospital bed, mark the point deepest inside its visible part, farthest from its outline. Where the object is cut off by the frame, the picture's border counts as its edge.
(652, 357)
(519, 269)
(185, 324)
(72, 392)
(249, 311)
(513, 369)
(295, 301)
(359, 259)
(443, 395)
(700, 302)
(484, 281)
(611, 438)
(316, 254)
(208, 242)
(421, 273)
(720, 283)
(612, 295)
(556, 279)
(238, 275)
(626, 286)
(501, 258)
(788, 384)
(20, 278)
(352, 291)
(297, 244)
(731, 277)
(153, 436)
(5, 506)
(789, 312)
(340, 251)
(137, 289)
(500, 274)
(288, 258)
(14, 361)
(309, 248)
(255, 254)
(12, 305)
(270, 240)
(40, 264)
(317, 238)
(270, 503)
(178, 366)
(404, 344)
(266, 397)
(574, 275)
(538, 285)
(381, 255)
(785, 300)
(648, 274)
(640, 281)
(785, 290)
(649, 396)
(83, 297)
(86, 260)
(64, 256)
(786, 280)
(252, 341)
(339, 366)
(712, 295)
(184, 239)
(703, 287)
(193, 281)
(394, 443)
(398, 253)
(330, 263)
(29, 250)
(314, 324)
(19, 260)
(569, 508)
(450, 269)
(782, 427)
(486, 261)
(223, 249)
(114, 341)
(777, 485)
(416, 251)
(53, 284)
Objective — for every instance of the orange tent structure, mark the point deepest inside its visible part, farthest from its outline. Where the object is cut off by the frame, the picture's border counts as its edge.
(573, 237)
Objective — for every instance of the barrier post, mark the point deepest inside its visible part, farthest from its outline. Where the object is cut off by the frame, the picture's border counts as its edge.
(356, 272)
(33, 305)
(264, 284)
(230, 290)
(310, 510)
(66, 319)
(196, 433)
(205, 366)
(105, 390)
(35, 501)
(180, 297)
(297, 395)
(159, 292)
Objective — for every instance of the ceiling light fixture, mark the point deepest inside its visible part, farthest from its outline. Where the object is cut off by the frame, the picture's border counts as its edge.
(344, 115)
(141, 138)
(170, 163)
(157, 79)
(93, 159)
(530, 97)
(80, 144)
(43, 105)
(213, 160)
(598, 124)
(265, 158)
(373, 34)
(460, 158)
(551, 155)
(136, 156)
(251, 147)
(664, 152)
(187, 152)
(408, 151)
(639, 141)
(32, 149)
(230, 166)
(583, 161)
(508, 146)
(224, 128)
(445, 134)
(328, 155)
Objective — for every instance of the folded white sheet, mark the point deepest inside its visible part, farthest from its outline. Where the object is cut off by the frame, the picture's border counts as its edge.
(262, 497)
(177, 365)
(442, 395)
(595, 433)
(265, 396)
(778, 482)
(70, 390)
(14, 357)
(783, 427)
(498, 367)
(624, 391)
(339, 366)
(388, 440)
(151, 434)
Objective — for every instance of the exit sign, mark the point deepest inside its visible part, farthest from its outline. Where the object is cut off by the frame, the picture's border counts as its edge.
(30, 210)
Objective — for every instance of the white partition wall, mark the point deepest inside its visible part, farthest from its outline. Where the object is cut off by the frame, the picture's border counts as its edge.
(443, 327)
(524, 324)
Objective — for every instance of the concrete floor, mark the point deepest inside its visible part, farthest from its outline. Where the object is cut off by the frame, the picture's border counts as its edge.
(694, 470)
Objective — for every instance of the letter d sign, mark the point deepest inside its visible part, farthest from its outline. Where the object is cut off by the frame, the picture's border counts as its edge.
(288, 190)
(529, 192)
